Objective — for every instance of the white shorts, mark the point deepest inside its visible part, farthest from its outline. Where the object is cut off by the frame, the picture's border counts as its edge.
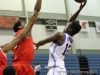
(57, 71)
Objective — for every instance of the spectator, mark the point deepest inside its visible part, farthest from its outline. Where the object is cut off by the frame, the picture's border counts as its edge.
(94, 73)
(81, 73)
(87, 73)
(72, 73)
(37, 68)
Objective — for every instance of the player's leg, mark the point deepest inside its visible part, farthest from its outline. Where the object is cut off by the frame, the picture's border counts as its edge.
(51, 71)
(57, 71)
(61, 71)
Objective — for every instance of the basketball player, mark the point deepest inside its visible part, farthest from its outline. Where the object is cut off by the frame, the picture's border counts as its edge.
(4, 49)
(61, 41)
(24, 52)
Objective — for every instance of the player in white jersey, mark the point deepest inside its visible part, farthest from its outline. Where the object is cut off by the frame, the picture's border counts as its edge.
(61, 41)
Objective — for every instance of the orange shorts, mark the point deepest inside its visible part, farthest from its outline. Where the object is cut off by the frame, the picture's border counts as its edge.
(1, 69)
(23, 69)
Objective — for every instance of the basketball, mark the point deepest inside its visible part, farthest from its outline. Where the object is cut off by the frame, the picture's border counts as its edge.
(79, 1)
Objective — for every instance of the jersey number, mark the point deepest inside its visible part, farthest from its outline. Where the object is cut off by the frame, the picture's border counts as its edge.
(66, 49)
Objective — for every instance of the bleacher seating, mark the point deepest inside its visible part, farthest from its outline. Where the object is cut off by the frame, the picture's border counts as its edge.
(71, 63)
(94, 62)
(9, 58)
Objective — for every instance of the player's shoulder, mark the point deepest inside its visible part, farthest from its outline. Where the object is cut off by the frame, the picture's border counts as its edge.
(18, 32)
(60, 33)
(70, 38)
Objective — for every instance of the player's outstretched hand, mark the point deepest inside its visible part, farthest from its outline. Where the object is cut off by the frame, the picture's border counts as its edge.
(82, 5)
(36, 45)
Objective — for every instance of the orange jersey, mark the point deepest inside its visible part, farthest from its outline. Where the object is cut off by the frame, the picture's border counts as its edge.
(24, 51)
(3, 61)
(23, 55)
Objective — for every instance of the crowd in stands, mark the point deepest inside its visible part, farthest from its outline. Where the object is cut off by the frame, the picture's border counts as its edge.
(85, 73)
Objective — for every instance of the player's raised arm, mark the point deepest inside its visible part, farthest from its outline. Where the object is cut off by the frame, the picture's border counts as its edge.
(38, 5)
(52, 38)
(37, 9)
(9, 46)
(77, 13)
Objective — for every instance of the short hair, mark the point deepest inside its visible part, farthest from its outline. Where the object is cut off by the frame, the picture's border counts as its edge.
(36, 63)
(15, 27)
(76, 27)
(9, 70)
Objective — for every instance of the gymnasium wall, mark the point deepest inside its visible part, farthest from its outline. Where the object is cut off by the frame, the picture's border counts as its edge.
(48, 6)
(91, 8)
(6, 35)
(87, 42)
(14, 5)
(11, 7)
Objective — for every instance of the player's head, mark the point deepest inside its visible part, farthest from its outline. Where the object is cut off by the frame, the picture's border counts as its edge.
(9, 70)
(73, 28)
(18, 25)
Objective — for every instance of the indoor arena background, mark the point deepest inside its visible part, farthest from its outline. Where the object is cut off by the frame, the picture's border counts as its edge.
(85, 52)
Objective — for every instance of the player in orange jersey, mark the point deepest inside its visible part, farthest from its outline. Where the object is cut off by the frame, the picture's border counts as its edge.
(24, 52)
(4, 49)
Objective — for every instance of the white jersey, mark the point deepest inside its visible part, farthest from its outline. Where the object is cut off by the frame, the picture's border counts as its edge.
(57, 52)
